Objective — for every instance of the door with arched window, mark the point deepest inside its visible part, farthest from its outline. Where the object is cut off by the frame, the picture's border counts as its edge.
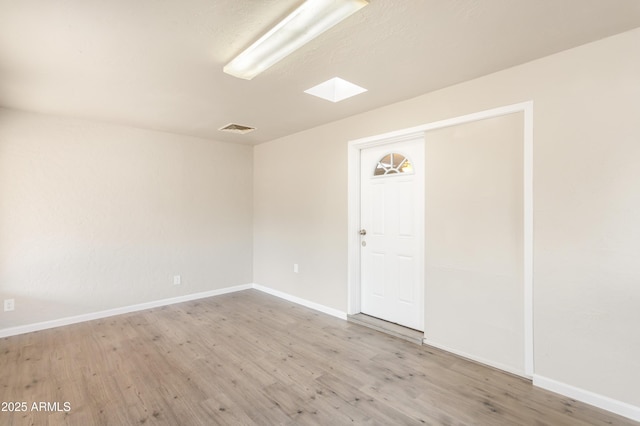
(392, 232)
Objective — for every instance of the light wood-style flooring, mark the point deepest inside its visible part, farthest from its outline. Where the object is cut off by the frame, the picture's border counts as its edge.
(250, 358)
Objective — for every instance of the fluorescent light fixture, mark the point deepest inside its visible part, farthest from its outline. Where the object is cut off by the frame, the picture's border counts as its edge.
(335, 90)
(304, 24)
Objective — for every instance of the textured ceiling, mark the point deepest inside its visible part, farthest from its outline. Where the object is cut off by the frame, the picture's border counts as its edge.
(157, 64)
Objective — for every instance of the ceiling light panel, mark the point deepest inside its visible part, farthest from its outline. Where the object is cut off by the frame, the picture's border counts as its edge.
(304, 24)
(335, 90)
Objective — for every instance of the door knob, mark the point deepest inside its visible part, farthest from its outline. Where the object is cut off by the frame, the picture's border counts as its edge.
(363, 232)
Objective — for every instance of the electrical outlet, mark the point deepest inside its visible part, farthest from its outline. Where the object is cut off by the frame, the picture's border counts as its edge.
(295, 268)
(9, 305)
(177, 280)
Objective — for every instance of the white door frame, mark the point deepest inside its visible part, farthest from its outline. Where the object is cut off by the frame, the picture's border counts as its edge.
(353, 158)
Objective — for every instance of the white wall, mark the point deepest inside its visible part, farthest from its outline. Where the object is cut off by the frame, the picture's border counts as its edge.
(586, 205)
(94, 216)
(474, 225)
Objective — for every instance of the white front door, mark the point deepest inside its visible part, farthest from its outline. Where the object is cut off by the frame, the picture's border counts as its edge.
(392, 232)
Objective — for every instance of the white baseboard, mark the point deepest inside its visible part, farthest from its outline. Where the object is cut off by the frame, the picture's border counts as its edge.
(304, 302)
(618, 407)
(13, 331)
(474, 358)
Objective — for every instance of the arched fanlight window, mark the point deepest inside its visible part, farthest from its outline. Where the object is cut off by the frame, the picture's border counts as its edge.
(393, 163)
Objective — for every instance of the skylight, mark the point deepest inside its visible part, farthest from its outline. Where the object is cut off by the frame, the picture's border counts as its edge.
(335, 90)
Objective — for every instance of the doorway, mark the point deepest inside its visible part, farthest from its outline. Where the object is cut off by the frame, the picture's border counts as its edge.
(355, 174)
(392, 232)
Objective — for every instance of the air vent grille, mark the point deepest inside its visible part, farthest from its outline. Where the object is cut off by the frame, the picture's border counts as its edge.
(236, 128)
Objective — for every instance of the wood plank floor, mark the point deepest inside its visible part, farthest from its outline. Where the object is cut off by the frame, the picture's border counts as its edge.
(250, 358)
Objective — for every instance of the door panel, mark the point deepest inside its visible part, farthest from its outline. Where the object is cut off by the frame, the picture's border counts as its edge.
(392, 213)
(377, 209)
(406, 211)
(379, 270)
(406, 280)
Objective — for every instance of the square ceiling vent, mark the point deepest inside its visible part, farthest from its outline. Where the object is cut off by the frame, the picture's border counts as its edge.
(236, 128)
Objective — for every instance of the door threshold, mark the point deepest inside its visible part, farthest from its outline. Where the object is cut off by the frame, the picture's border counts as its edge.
(393, 329)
